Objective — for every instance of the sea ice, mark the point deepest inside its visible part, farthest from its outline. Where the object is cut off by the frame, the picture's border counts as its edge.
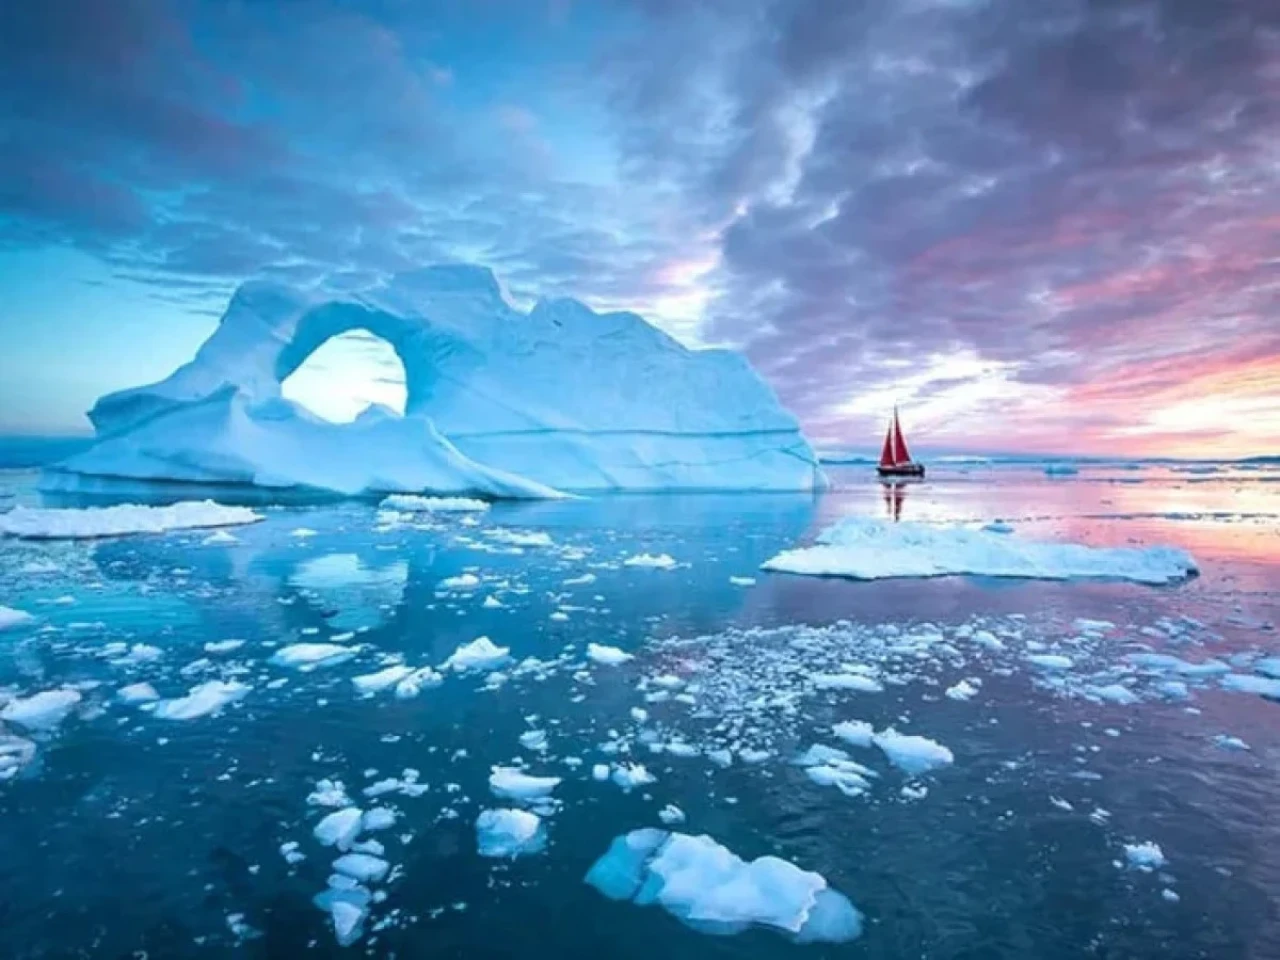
(340, 828)
(201, 700)
(509, 833)
(868, 549)
(660, 561)
(859, 682)
(1144, 856)
(371, 683)
(9, 617)
(857, 733)
(138, 693)
(1248, 683)
(127, 518)
(511, 783)
(671, 815)
(223, 646)
(421, 679)
(610, 656)
(379, 818)
(1050, 661)
(911, 754)
(308, 656)
(15, 753)
(487, 413)
(963, 690)
(361, 867)
(410, 503)
(41, 711)
(711, 890)
(632, 775)
(479, 654)
(463, 581)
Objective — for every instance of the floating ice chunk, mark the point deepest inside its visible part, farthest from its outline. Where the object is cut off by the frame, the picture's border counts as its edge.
(347, 920)
(479, 654)
(15, 753)
(309, 656)
(742, 581)
(857, 733)
(659, 561)
(609, 656)
(10, 618)
(1113, 693)
(1230, 743)
(1144, 856)
(868, 549)
(1050, 661)
(820, 753)
(409, 503)
(340, 828)
(964, 690)
(201, 701)
(847, 681)
(510, 783)
(668, 681)
(998, 526)
(137, 693)
(218, 538)
(223, 646)
(911, 754)
(463, 581)
(534, 740)
(509, 833)
(291, 853)
(1268, 667)
(848, 782)
(600, 771)
(671, 815)
(371, 683)
(362, 867)
(137, 654)
(711, 890)
(520, 538)
(127, 518)
(631, 775)
(41, 711)
(1247, 683)
(491, 603)
(379, 818)
(421, 679)
(329, 793)
(580, 580)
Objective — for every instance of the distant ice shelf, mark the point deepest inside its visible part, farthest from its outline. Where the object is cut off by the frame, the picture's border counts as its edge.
(501, 404)
(867, 549)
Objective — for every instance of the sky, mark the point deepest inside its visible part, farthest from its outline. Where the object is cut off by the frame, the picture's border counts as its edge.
(1048, 226)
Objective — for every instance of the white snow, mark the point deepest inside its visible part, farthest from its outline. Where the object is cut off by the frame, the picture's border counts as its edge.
(511, 783)
(41, 711)
(138, 693)
(9, 617)
(709, 888)
(660, 561)
(1144, 856)
(480, 654)
(128, 518)
(868, 549)
(911, 754)
(609, 656)
(488, 413)
(409, 503)
(202, 700)
(308, 656)
(509, 833)
(340, 828)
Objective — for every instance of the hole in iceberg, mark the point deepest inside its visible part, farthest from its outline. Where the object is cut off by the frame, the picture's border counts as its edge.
(346, 375)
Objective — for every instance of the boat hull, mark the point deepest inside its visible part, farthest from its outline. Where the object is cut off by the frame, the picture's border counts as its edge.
(902, 470)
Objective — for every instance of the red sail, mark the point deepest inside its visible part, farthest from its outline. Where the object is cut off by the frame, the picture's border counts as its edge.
(902, 454)
(886, 455)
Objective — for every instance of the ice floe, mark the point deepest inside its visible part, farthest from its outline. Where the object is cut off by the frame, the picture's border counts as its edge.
(609, 656)
(340, 828)
(712, 890)
(511, 783)
(868, 549)
(9, 617)
(371, 683)
(41, 711)
(912, 755)
(509, 833)
(137, 693)
(659, 561)
(202, 700)
(129, 518)
(1145, 856)
(409, 503)
(309, 656)
(480, 654)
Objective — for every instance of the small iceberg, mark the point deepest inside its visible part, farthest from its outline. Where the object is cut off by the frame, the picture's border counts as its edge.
(201, 701)
(127, 518)
(41, 711)
(712, 890)
(1144, 856)
(660, 561)
(867, 549)
(371, 683)
(10, 618)
(480, 654)
(308, 656)
(608, 656)
(509, 833)
(910, 754)
(510, 783)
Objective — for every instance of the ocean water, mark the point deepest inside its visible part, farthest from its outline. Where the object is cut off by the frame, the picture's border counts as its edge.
(130, 836)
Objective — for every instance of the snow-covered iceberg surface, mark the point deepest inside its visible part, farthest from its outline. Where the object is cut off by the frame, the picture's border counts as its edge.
(712, 890)
(868, 549)
(127, 518)
(501, 403)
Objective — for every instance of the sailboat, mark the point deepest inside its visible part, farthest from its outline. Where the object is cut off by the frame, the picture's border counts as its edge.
(895, 458)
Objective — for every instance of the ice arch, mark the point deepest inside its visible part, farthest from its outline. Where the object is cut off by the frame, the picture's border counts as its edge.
(346, 375)
(499, 402)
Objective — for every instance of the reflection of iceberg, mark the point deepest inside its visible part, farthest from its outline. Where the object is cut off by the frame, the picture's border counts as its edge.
(500, 403)
(357, 595)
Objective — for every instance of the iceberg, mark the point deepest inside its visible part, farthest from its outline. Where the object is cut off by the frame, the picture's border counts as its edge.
(480, 654)
(712, 890)
(910, 754)
(89, 523)
(509, 833)
(866, 549)
(487, 412)
(203, 700)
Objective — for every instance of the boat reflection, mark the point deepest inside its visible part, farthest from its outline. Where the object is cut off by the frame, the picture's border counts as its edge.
(894, 496)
